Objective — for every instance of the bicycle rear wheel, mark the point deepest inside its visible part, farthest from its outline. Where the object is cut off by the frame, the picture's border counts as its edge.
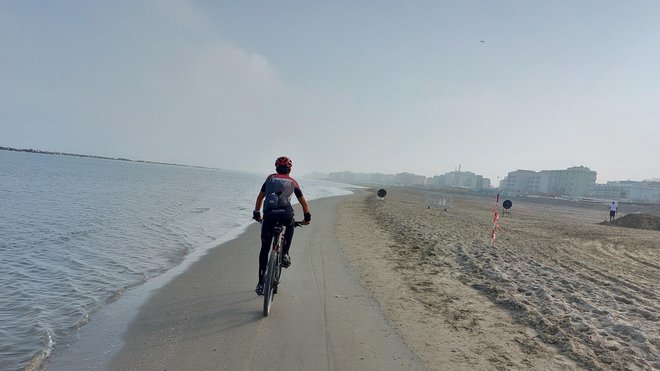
(270, 281)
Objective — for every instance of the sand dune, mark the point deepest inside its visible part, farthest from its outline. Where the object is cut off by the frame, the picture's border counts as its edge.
(558, 291)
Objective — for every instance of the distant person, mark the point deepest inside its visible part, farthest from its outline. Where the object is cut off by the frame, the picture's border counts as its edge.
(613, 207)
(277, 191)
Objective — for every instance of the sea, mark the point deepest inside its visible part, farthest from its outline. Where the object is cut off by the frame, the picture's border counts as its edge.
(77, 233)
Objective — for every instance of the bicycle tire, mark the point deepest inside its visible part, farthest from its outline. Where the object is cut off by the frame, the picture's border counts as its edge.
(268, 282)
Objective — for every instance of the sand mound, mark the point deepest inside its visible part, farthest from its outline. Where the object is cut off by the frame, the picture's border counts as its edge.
(637, 221)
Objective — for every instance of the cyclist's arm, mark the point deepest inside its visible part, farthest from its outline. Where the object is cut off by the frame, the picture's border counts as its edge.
(301, 198)
(260, 200)
(303, 203)
(305, 207)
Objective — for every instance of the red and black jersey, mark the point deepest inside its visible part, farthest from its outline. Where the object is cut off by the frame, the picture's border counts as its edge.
(278, 189)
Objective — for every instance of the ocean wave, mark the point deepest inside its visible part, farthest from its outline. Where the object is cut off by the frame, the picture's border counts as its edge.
(38, 360)
(115, 296)
(82, 322)
(200, 210)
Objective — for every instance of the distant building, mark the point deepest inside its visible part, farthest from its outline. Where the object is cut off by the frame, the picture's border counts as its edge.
(520, 181)
(362, 178)
(460, 179)
(463, 179)
(646, 191)
(575, 181)
(409, 179)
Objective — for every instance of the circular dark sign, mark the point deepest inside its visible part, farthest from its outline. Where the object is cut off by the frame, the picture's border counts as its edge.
(507, 204)
(382, 193)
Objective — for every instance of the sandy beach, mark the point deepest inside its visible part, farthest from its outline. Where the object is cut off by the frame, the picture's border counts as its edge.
(558, 291)
(209, 317)
(401, 284)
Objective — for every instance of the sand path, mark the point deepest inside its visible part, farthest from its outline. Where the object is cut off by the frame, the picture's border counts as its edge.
(209, 317)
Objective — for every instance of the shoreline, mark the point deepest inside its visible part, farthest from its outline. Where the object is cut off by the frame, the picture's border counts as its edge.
(452, 302)
(102, 336)
(322, 318)
(207, 315)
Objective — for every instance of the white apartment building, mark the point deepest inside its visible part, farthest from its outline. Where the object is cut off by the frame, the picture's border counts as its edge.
(575, 181)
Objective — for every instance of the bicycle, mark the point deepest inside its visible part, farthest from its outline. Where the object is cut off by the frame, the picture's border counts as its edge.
(274, 267)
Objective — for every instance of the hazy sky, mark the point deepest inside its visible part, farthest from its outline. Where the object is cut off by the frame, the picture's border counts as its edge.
(366, 86)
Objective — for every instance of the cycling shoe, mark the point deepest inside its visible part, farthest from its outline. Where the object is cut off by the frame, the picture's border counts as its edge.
(286, 261)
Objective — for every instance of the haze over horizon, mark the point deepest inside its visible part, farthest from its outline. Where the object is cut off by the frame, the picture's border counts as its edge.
(370, 86)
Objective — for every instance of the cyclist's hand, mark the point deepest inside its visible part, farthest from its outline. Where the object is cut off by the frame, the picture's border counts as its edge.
(308, 218)
(256, 215)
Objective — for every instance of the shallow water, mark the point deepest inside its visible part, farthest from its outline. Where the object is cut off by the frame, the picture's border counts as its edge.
(76, 232)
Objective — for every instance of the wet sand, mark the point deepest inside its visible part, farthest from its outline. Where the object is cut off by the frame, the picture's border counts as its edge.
(558, 291)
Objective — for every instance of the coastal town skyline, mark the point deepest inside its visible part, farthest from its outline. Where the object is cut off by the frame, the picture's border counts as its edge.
(412, 178)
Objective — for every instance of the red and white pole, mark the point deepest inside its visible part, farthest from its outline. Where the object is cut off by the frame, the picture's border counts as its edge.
(496, 217)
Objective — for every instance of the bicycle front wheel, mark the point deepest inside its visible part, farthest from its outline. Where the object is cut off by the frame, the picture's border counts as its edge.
(270, 281)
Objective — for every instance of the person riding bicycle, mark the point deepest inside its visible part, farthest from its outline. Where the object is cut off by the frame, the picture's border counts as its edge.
(277, 191)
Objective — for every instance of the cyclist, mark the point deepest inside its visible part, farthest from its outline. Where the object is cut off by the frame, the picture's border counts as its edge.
(277, 191)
